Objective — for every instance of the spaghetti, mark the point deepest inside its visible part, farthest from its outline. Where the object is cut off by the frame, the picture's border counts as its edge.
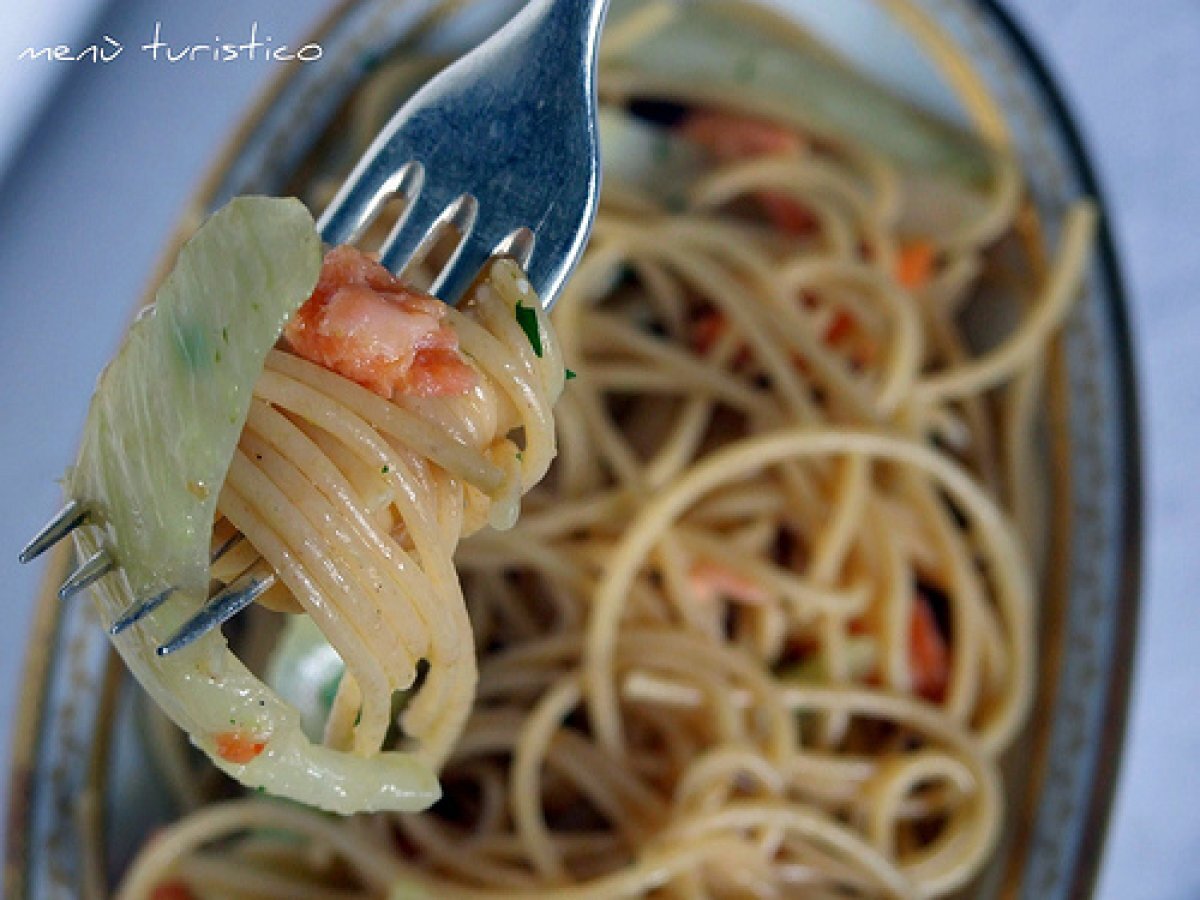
(767, 626)
(322, 456)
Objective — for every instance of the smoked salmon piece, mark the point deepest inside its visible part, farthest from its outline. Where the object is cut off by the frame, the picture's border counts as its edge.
(365, 324)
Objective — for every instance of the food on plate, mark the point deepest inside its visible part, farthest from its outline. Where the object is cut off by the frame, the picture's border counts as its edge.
(766, 626)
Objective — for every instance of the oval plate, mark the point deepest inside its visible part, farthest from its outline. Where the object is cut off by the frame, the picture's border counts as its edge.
(83, 797)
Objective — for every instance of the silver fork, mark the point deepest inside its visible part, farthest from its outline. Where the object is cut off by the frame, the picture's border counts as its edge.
(502, 148)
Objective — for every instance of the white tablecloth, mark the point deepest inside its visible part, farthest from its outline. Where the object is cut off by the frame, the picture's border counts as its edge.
(87, 205)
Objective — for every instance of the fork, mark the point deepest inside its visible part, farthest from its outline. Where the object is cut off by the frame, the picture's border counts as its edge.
(500, 150)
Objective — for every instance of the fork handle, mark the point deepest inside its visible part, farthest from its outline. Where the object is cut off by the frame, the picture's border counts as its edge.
(560, 42)
(531, 85)
(561, 24)
(549, 34)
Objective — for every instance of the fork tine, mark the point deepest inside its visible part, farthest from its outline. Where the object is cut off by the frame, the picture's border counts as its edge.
(363, 196)
(94, 568)
(471, 256)
(420, 226)
(414, 232)
(219, 610)
(67, 519)
(461, 215)
(138, 611)
(546, 269)
(519, 245)
(236, 538)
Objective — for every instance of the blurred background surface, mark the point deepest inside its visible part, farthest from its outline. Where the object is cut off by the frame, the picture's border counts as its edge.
(96, 162)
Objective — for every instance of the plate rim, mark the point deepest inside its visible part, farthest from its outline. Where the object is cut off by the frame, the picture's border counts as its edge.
(1127, 412)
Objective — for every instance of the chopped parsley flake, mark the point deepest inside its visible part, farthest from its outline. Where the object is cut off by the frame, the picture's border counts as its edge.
(570, 374)
(527, 319)
(386, 469)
